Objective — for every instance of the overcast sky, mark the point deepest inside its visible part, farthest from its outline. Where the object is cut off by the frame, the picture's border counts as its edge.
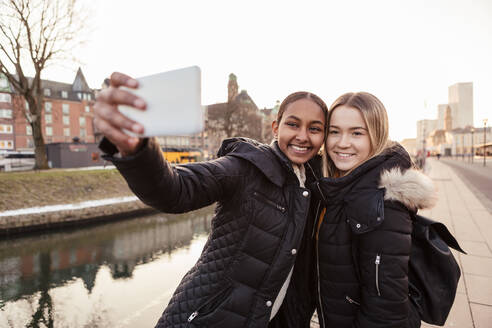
(407, 53)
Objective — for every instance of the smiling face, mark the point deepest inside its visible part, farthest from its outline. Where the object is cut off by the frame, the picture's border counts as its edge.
(301, 130)
(348, 143)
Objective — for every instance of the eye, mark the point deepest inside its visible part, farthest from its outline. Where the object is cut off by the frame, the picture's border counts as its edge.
(333, 132)
(358, 133)
(316, 129)
(292, 124)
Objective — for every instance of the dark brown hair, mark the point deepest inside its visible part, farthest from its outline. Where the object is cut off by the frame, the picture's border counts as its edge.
(297, 96)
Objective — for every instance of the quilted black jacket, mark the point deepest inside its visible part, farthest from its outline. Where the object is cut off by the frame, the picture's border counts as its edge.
(363, 243)
(257, 234)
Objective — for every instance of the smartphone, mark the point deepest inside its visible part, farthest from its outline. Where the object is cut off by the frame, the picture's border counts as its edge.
(173, 103)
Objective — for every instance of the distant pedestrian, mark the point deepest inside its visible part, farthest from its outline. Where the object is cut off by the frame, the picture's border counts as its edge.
(256, 267)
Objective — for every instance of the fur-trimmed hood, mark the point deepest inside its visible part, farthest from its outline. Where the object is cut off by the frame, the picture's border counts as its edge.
(410, 187)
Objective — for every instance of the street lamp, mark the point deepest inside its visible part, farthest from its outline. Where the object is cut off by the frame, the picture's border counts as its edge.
(484, 140)
(472, 152)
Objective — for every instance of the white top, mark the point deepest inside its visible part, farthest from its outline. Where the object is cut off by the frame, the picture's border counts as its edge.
(300, 172)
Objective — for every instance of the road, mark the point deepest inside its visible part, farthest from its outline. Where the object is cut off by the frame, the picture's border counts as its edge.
(476, 176)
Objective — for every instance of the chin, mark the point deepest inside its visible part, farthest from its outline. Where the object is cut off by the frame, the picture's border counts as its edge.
(344, 168)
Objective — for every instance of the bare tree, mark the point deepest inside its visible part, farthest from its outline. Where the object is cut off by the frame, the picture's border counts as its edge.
(235, 119)
(33, 35)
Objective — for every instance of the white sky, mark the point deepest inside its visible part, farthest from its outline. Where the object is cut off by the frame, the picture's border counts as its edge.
(407, 53)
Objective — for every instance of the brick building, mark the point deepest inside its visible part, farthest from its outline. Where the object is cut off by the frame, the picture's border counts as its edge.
(68, 113)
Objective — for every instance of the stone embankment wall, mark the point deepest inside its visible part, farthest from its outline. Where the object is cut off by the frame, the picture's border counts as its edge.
(58, 187)
(57, 219)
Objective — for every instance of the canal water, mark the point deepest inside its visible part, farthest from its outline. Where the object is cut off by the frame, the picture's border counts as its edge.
(119, 274)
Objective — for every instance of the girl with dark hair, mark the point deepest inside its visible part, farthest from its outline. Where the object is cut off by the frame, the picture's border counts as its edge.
(254, 270)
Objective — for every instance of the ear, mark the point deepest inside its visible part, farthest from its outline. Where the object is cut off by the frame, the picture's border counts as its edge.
(275, 129)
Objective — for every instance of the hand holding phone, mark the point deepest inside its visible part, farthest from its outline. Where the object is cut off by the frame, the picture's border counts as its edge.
(173, 101)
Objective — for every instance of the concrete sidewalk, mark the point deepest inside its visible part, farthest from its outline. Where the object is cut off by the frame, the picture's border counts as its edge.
(471, 224)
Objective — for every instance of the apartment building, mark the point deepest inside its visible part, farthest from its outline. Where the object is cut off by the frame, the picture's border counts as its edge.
(67, 113)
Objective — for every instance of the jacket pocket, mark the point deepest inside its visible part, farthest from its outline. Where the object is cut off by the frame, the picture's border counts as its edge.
(377, 262)
(351, 301)
(211, 304)
(268, 202)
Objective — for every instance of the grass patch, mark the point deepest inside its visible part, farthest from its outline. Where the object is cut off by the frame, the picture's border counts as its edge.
(50, 187)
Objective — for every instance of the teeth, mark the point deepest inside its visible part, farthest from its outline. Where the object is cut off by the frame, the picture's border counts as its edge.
(299, 148)
(344, 155)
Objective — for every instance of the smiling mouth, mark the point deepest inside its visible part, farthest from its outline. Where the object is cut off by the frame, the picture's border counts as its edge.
(300, 149)
(344, 155)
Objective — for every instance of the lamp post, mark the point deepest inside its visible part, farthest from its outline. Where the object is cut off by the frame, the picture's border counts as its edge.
(472, 152)
(484, 141)
(463, 145)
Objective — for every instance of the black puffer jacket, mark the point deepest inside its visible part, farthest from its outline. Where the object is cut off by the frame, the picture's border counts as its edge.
(363, 243)
(257, 233)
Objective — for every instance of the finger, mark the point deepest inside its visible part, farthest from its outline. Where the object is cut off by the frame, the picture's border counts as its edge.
(112, 116)
(121, 140)
(119, 79)
(117, 96)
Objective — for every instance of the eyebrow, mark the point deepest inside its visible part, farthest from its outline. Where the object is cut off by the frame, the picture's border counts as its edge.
(352, 128)
(298, 119)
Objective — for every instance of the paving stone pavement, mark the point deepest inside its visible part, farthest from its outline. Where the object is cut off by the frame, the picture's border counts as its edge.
(471, 224)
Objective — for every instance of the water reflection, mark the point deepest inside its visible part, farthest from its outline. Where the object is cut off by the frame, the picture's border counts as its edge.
(119, 274)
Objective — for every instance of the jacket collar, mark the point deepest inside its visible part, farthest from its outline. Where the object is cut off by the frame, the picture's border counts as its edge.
(268, 159)
(367, 175)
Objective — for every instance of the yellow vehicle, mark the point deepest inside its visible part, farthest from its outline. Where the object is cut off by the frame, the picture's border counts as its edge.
(181, 155)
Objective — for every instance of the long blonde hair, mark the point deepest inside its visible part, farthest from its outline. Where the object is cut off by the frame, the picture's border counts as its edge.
(376, 119)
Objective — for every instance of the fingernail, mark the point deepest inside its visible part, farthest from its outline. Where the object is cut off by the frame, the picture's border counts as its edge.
(132, 83)
(133, 141)
(139, 103)
(137, 128)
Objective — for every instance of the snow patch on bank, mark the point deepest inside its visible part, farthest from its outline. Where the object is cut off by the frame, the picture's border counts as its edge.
(68, 207)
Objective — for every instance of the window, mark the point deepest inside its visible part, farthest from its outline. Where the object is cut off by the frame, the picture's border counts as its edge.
(83, 134)
(82, 121)
(64, 94)
(89, 97)
(49, 131)
(29, 130)
(5, 97)
(47, 92)
(66, 120)
(6, 113)
(48, 106)
(66, 132)
(87, 109)
(65, 109)
(6, 128)
(4, 83)
(48, 118)
(6, 144)
(30, 143)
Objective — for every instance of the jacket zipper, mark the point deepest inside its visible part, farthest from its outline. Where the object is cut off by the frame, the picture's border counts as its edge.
(319, 287)
(197, 311)
(351, 300)
(316, 236)
(269, 202)
(377, 262)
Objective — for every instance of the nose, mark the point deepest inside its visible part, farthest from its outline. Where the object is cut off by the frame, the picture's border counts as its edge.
(344, 141)
(302, 135)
